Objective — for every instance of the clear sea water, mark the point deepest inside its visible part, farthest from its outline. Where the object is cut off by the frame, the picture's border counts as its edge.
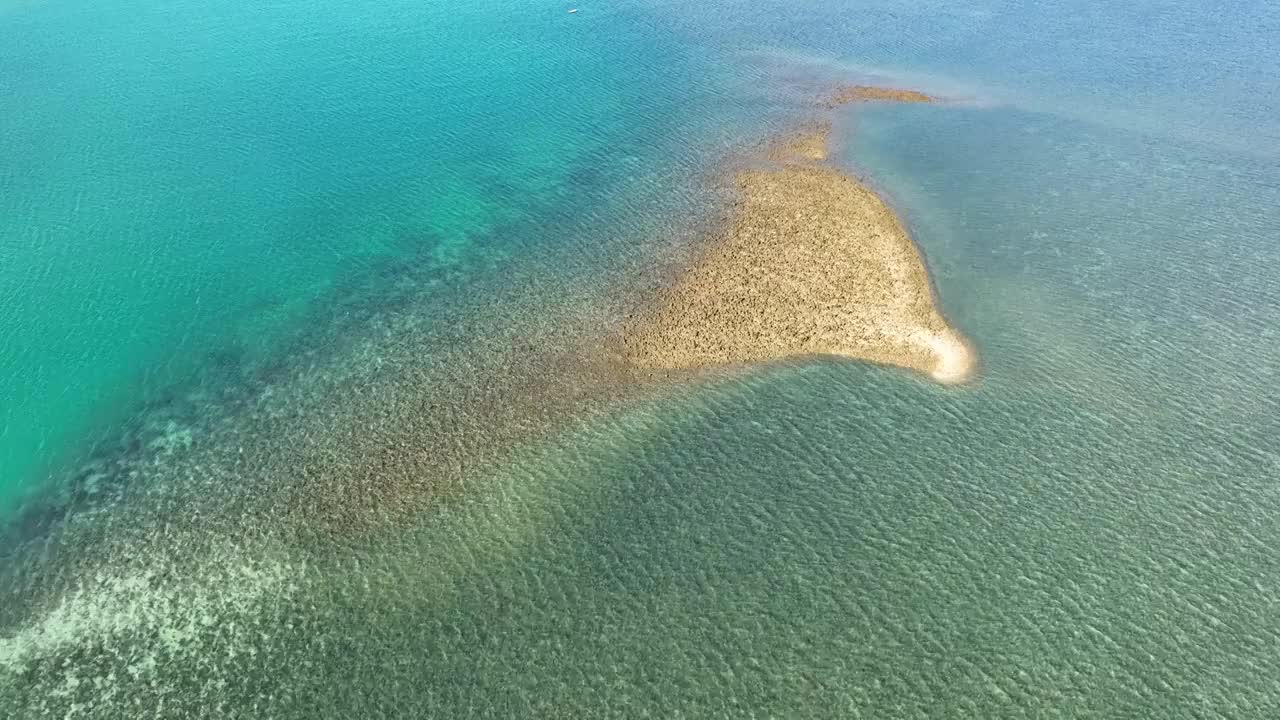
(241, 243)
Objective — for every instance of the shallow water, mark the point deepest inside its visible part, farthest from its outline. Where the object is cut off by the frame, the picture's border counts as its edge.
(183, 181)
(253, 259)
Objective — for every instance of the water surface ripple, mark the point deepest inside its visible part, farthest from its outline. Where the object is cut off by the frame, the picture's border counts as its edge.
(296, 421)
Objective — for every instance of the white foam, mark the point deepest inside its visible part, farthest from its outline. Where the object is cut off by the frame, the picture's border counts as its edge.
(955, 360)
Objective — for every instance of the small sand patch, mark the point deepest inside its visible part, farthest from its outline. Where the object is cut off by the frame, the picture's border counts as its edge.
(868, 93)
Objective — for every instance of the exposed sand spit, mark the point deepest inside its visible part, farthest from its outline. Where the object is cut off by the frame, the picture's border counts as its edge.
(809, 262)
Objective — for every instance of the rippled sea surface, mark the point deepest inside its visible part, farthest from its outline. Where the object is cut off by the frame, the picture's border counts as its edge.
(295, 420)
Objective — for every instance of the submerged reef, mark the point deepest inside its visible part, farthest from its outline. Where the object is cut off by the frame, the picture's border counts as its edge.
(179, 568)
(810, 262)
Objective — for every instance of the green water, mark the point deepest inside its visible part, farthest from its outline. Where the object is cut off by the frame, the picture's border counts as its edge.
(253, 258)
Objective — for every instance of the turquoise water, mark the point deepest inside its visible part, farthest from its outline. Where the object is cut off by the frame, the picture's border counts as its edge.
(181, 181)
(253, 257)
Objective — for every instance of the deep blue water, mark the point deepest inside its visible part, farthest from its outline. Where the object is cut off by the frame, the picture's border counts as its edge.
(240, 245)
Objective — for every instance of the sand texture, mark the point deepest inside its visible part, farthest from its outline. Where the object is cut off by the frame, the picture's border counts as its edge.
(810, 262)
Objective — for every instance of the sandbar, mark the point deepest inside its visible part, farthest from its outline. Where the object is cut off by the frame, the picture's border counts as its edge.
(808, 262)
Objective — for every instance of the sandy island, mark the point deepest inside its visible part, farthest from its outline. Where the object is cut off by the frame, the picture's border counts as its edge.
(810, 262)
